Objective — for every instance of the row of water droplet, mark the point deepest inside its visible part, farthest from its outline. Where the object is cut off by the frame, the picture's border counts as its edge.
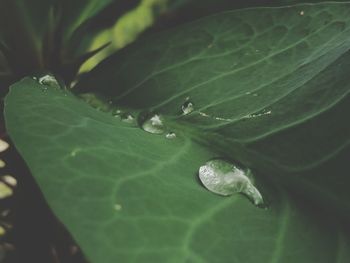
(217, 175)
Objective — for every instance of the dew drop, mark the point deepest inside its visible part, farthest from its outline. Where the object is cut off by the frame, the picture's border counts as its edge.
(258, 114)
(10, 180)
(187, 107)
(224, 178)
(128, 118)
(170, 135)
(117, 113)
(117, 207)
(48, 80)
(154, 124)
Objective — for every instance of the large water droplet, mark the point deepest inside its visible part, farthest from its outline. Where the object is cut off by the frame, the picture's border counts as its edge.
(224, 178)
(187, 107)
(154, 124)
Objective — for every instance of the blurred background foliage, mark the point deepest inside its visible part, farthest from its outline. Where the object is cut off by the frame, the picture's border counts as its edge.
(67, 37)
(156, 15)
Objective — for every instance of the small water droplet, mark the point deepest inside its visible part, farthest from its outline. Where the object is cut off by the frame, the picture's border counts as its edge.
(2, 163)
(187, 107)
(118, 207)
(255, 94)
(116, 113)
(302, 13)
(154, 124)
(259, 114)
(128, 118)
(170, 135)
(48, 80)
(224, 178)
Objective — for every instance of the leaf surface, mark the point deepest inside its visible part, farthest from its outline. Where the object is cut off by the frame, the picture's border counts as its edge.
(130, 196)
(270, 91)
(271, 80)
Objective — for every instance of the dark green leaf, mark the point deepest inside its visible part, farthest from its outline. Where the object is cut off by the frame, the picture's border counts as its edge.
(270, 91)
(130, 196)
(274, 80)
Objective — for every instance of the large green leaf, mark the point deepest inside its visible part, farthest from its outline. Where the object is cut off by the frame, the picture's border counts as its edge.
(271, 80)
(270, 91)
(130, 196)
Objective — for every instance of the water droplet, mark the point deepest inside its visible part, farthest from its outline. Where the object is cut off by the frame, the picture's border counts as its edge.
(3, 145)
(118, 207)
(255, 94)
(187, 107)
(5, 190)
(128, 118)
(116, 113)
(302, 13)
(170, 135)
(259, 114)
(154, 124)
(48, 80)
(2, 163)
(226, 179)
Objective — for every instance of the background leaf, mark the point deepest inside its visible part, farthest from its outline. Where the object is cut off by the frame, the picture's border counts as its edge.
(153, 210)
(49, 35)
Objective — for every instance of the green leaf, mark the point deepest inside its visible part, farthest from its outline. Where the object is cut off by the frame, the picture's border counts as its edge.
(125, 30)
(75, 13)
(270, 92)
(271, 80)
(130, 196)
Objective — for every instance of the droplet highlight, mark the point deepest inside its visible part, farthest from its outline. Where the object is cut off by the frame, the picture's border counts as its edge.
(170, 135)
(224, 178)
(187, 107)
(128, 118)
(48, 80)
(116, 113)
(154, 124)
